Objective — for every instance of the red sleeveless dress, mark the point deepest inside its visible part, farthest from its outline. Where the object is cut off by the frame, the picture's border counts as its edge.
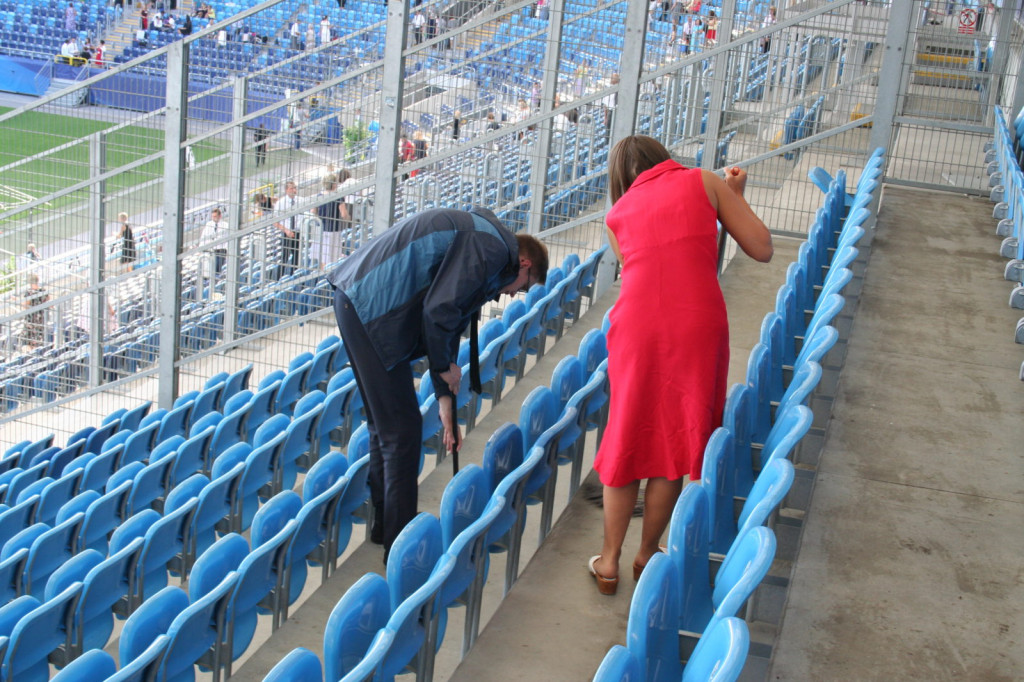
(668, 344)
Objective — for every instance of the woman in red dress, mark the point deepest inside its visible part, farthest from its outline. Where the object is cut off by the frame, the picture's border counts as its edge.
(668, 344)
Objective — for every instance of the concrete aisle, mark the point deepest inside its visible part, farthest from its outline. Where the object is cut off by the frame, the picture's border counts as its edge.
(910, 566)
(554, 625)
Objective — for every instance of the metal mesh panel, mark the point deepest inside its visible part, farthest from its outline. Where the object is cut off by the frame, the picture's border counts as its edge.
(506, 106)
(959, 61)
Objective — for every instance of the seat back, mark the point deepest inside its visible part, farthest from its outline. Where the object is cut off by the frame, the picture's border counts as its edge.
(131, 418)
(102, 517)
(298, 665)
(736, 417)
(619, 665)
(413, 556)
(805, 380)
(593, 350)
(196, 630)
(310, 541)
(718, 480)
(742, 570)
(653, 627)
(320, 369)
(139, 444)
(37, 635)
(105, 590)
(771, 486)
(292, 388)
(49, 551)
(55, 495)
(411, 620)
(688, 543)
(353, 624)
(790, 426)
(260, 583)
(720, 654)
(174, 423)
(503, 452)
(463, 501)
(142, 667)
(92, 666)
(568, 377)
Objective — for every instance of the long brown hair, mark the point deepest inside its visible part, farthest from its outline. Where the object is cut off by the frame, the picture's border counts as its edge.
(631, 157)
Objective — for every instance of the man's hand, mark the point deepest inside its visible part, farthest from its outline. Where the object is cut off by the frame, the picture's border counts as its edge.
(736, 179)
(452, 437)
(453, 377)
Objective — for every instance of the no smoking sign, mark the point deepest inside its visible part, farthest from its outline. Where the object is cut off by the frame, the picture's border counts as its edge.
(968, 20)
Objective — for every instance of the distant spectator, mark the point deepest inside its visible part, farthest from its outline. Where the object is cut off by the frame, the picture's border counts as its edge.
(222, 37)
(100, 53)
(419, 144)
(70, 18)
(491, 123)
(431, 25)
(262, 205)
(170, 24)
(310, 37)
(295, 32)
(418, 22)
(67, 50)
(144, 18)
(31, 254)
(406, 152)
(259, 137)
(127, 243)
(289, 227)
(325, 30)
(216, 228)
(186, 26)
(35, 294)
(456, 123)
(406, 149)
(158, 20)
(330, 214)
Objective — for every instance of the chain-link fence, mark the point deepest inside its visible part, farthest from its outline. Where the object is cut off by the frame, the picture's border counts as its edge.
(184, 197)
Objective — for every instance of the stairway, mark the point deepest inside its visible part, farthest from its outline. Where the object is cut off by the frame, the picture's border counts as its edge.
(122, 35)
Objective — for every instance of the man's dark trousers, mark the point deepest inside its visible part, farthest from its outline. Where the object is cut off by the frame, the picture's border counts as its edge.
(393, 419)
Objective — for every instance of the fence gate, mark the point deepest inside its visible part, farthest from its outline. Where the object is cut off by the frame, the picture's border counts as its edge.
(957, 64)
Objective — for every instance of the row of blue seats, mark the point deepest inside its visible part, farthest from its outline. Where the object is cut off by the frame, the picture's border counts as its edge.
(765, 420)
(236, 472)
(1004, 156)
(171, 600)
(382, 627)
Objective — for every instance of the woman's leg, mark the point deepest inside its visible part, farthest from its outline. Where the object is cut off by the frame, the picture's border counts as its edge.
(618, 510)
(659, 501)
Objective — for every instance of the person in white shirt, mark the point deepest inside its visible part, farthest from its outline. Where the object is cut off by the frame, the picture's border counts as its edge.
(296, 35)
(215, 229)
(67, 49)
(222, 38)
(325, 30)
(418, 22)
(289, 227)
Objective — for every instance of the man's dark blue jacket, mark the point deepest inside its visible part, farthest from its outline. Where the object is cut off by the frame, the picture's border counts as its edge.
(416, 286)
